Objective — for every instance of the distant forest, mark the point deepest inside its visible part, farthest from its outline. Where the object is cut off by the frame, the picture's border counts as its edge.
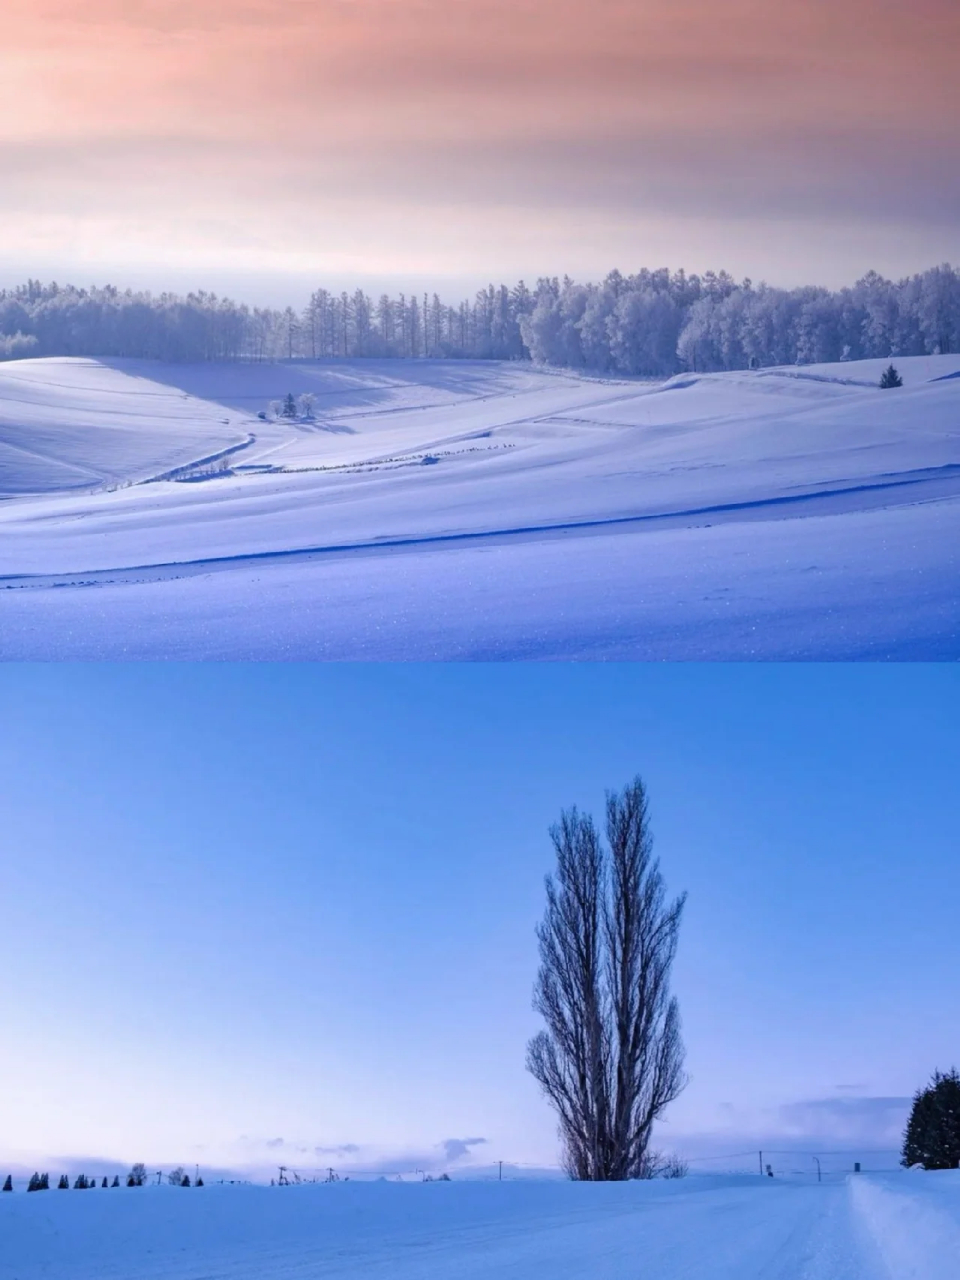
(653, 323)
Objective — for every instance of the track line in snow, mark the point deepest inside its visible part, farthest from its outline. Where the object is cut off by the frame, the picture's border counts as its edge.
(931, 484)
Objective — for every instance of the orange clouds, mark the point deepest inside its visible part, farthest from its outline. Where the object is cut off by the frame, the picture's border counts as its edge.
(725, 106)
(381, 68)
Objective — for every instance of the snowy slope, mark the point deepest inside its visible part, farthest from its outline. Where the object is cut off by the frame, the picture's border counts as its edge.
(68, 424)
(875, 1227)
(463, 509)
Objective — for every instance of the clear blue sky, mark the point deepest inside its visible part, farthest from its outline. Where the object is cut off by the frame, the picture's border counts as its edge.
(242, 904)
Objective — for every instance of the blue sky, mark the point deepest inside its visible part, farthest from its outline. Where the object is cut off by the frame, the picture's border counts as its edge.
(263, 913)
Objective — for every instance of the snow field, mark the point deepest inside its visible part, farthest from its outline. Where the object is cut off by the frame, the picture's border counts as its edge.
(463, 509)
(871, 1227)
(80, 425)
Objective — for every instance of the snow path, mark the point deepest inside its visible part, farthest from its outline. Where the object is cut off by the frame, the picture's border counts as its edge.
(461, 509)
(735, 1228)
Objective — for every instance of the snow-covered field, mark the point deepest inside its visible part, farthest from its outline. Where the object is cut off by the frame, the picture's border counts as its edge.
(478, 510)
(869, 1227)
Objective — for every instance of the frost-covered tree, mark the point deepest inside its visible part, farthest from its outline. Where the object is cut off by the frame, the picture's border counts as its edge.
(610, 1058)
(137, 1177)
(932, 1137)
(176, 1176)
(649, 322)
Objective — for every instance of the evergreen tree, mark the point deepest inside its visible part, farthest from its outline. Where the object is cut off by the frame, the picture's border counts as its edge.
(64, 1183)
(44, 1182)
(185, 1180)
(890, 378)
(34, 1183)
(116, 1180)
(932, 1136)
(199, 1182)
(104, 1183)
(8, 1185)
(289, 406)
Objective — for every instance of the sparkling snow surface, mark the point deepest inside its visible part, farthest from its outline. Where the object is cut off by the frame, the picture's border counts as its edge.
(902, 1226)
(477, 510)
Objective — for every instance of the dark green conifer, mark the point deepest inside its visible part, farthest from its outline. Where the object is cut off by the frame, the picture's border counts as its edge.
(932, 1137)
(890, 378)
(8, 1185)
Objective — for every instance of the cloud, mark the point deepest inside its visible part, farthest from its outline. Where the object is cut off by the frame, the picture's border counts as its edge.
(457, 1148)
(876, 1122)
(345, 1149)
(275, 1142)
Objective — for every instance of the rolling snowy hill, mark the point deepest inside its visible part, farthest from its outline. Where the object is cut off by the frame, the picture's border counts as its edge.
(478, 510)
(873, 1227)
(77, 424)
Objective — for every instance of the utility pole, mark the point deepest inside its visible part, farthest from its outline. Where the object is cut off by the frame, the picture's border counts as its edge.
(760, 1154)
(500, 1172)
(818, 1167)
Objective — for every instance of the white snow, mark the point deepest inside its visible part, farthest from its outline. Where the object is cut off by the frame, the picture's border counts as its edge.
(449, 509)
(866, 1227)
(78, 424)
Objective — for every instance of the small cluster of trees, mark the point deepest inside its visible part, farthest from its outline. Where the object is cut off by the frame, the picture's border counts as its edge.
(652, 323)
(137, 1177)
(294, 408)
(932, 1137)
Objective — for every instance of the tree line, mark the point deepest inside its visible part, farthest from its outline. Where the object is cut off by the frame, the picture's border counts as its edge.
(137, 1177)
(653, 323)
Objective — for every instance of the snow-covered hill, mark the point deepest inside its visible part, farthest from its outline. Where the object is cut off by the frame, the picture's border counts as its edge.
(467, 509)
(77, 424)
(872, 1227)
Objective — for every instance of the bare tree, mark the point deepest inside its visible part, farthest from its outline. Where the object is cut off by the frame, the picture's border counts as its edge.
(611, 1058)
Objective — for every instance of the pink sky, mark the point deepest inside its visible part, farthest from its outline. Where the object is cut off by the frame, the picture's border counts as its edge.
(797, 140)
